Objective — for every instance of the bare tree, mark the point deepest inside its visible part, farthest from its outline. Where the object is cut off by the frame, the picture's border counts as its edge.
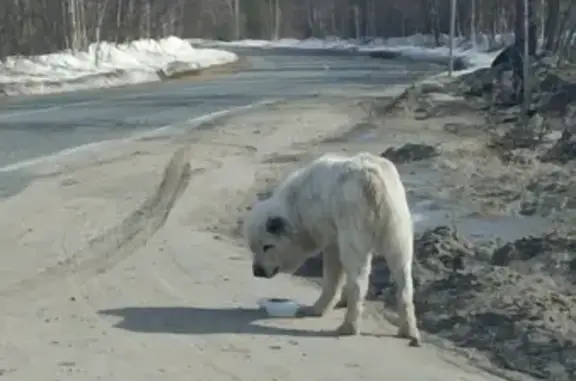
(236, 17)
(277, 19)
(473, 22)
(357, 27)
(452, 30)
(526, 67)
(568, 38)
(551, 24)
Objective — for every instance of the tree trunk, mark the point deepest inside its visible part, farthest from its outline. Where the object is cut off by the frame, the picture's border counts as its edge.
(452, 30)
(98, 31)
(551, 25)
(73, 16)
(473, 23)
(277, 20)
(119, 20)
(526, 83)
(519, 36)
(237, 33)
(311, 13)
(567, 33)
(356, 13)
(521, 33)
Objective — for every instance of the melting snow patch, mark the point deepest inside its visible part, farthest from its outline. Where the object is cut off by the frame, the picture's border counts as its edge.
(416, 47)
(106, 64)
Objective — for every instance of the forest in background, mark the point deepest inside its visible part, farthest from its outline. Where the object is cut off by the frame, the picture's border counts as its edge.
(30, 27)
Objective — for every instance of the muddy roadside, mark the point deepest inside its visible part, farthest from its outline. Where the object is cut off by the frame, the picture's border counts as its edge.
(495, 214)
(495, 245)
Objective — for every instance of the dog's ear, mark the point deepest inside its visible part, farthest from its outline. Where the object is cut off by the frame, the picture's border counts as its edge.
(276, 225)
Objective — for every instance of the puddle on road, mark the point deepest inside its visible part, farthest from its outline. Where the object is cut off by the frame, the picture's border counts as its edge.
(429, 212)
(506, 228)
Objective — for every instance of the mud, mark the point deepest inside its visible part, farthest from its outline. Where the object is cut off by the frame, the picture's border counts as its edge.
(495, 213)
(514, 303)
(563, 151)
(505, 303)
(410, 152)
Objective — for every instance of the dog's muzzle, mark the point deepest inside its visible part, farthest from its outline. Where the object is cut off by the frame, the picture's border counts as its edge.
(259, 272)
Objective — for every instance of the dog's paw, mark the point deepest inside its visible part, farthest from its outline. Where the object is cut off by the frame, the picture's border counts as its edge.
(413, 335)
(342, 303)
(347, 329)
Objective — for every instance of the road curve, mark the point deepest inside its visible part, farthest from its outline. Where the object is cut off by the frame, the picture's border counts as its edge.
(35, 126)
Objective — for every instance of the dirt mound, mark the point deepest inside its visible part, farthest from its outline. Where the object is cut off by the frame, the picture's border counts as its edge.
(520, 321)
(439, 252)
(384, 54)
(563, 151)
(550, 192)
(442, 250)
(516, 303)
(529, 248)
(521, 315)
(410, 152)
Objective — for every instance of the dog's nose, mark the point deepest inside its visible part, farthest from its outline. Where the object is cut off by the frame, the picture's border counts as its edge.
(258, 271)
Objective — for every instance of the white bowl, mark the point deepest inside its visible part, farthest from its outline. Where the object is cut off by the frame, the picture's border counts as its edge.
(280, 307)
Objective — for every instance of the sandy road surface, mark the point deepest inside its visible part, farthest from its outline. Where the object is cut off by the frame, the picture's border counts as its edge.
(99, 282)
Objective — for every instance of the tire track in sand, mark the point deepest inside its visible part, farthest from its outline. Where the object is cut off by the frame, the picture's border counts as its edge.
(122, 240)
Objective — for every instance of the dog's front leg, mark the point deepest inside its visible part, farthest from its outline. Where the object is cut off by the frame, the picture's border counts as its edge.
(332, 279)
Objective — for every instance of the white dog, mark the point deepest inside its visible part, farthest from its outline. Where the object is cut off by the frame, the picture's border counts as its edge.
(349, 208)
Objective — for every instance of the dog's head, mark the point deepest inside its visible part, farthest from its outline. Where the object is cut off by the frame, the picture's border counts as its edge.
(272, 240)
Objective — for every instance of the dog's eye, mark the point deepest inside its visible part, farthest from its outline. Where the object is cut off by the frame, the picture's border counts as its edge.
(265, 248)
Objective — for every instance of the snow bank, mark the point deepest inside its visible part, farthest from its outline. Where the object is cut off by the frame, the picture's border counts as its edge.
(477, 53)
(417, 47)
(105, 65)
(311, 44)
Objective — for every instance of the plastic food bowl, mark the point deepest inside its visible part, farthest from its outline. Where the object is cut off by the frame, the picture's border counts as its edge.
(280, 307)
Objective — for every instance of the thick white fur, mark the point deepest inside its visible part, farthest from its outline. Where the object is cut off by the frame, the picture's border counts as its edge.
(349, 208)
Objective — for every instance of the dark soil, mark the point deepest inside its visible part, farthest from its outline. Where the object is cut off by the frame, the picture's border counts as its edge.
(387, 55)
(563, 151)
(515, 303)
(410, 152)
(518, 305)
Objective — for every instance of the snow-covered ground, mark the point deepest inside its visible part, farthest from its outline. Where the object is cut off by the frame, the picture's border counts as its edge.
(105, 65)
(418, 47)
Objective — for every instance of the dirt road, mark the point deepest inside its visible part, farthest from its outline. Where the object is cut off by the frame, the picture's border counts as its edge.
(119, 267)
